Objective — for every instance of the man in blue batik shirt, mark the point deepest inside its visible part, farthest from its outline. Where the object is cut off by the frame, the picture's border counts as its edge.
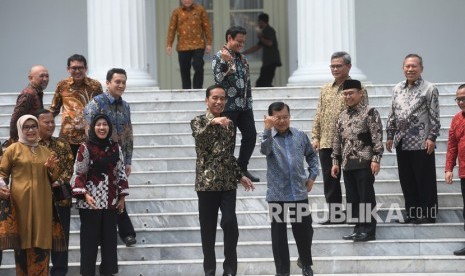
(288, 184)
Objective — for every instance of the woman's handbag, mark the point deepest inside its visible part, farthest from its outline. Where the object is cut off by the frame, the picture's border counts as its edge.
(62, 191)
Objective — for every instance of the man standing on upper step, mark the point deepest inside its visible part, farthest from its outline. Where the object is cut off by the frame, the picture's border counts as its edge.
(456, 148)
(31, 98)
(330, 105)
(73, 93)
(412, 128)
(112, 104)
(217, 174)
(231, 71)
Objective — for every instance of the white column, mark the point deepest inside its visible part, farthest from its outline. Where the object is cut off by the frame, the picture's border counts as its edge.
(323, 27)
(117, 38)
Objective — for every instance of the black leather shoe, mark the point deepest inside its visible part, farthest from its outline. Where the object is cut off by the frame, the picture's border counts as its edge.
(363, 237)
(424, 220)
(130, 240)
(460, 252)
(251, 177)
(228, 274)
(351, 236)
(307, 271)
(210, 273)
(299, 263)
(407, 220)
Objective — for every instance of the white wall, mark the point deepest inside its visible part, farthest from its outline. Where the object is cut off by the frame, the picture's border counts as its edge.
(386, 31)
(39, 32)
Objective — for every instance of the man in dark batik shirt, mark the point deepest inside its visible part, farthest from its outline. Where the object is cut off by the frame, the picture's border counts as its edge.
(358, 143)
(231, 71)
(62, 150)
(31, 98)
(217, 174)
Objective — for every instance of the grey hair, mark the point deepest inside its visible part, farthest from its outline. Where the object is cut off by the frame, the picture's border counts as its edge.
(344, 55)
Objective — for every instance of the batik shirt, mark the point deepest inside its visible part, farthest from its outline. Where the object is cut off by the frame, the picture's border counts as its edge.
(73, 99)
(192, 26)
(28, 102)
(120, 114)
(285, 154)
(65, 156)
(330, 105)
(358, 138)
(99, 172)
(414, 115)
(234, 77)
(216, 167)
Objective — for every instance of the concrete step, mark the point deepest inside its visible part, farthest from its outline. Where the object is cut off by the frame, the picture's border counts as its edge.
(323, 266)
(262, 249)
(256, 162)
(255, 202)
(385, 231)
(260, 102)
(170, 220)
(187, 190)
(188, 175)
(447, 110)
(188, 150)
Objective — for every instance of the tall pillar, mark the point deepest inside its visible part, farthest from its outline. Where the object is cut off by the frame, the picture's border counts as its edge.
(323, 27)
(117, 38)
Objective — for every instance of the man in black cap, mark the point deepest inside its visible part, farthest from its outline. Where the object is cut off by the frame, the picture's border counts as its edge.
(358, 143)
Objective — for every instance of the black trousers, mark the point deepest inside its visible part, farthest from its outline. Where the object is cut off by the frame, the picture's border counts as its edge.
(60, 259)
(417, 175)
(462, 183)
(125, 227)
(265, 79)
(209, 203)
(301, 229)
(360, 190)
(74, 149)
(331, 185)
(244, 120)
(98, 227)
(186, 58)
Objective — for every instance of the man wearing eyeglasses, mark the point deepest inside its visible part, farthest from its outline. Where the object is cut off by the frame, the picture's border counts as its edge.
(358, 142)
(456, 148)
(330, 105)
(412, 128)
(30, 100)
(71, 96)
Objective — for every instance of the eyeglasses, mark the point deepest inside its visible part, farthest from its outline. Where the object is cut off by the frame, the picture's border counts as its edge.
(283, 118)
(460, 100)
(347, 94)
(30, 127)
(77, 68)
(336, 66)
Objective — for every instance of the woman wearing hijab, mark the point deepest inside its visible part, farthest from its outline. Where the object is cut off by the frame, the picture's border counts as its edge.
(100, 185)
(32, 169)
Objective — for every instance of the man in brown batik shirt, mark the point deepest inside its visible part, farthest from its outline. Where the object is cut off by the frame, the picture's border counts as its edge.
(71, 95)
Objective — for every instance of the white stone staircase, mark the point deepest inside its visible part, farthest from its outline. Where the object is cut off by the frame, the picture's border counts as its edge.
(163, 204)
